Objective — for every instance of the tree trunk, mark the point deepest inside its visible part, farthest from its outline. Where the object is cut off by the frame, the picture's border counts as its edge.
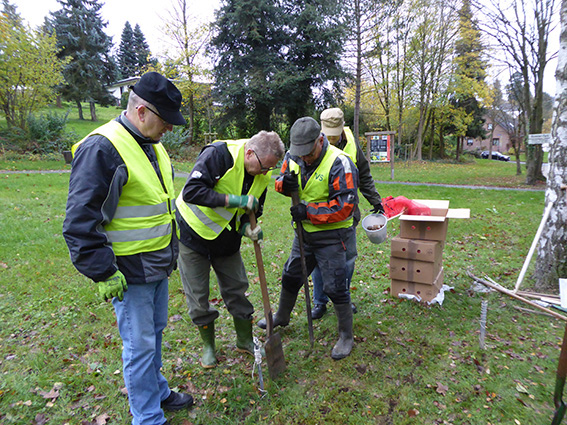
(93, 111)
(58, 102)
(80, 109)
(551, 261)
(358, 78)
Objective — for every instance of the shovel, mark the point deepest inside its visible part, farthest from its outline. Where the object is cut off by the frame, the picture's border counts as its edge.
(295, 201)
(273, 347)
(560, 383)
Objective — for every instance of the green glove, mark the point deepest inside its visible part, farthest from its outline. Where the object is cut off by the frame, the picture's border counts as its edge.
(255, 234)
(114, 286)
(247, 202)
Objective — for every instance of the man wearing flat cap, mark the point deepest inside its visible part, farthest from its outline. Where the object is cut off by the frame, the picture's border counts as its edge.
(326, 180)
(121, 232)
(333, 127)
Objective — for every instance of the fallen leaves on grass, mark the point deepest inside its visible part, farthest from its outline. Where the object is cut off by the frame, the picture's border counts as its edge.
(442, 389)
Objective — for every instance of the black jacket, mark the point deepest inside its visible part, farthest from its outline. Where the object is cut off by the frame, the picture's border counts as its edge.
(213, 162)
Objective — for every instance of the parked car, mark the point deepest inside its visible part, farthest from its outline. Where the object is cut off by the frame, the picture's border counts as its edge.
(495, 155)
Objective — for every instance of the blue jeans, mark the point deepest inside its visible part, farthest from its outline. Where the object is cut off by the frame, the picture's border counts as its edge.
(319, 296)
(142, 317)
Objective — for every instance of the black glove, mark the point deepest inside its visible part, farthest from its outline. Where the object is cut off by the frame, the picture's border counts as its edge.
(289, 183)
(299, 212)
(378, 209)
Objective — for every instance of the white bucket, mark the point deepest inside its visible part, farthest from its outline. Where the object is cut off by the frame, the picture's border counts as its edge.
(375, 227)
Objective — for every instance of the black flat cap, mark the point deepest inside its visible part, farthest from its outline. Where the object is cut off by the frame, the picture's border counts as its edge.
(160, 92)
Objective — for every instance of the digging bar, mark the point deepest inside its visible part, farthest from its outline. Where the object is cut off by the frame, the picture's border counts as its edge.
(560, 383)
(295, 201)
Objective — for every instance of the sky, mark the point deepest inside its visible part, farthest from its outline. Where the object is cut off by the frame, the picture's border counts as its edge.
(150, 14)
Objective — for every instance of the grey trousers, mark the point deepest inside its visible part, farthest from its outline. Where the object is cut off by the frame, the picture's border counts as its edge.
(195, 271)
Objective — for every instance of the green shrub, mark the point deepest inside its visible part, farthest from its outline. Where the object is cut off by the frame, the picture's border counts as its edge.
(47, 127)
(47, 133)
(175, 140)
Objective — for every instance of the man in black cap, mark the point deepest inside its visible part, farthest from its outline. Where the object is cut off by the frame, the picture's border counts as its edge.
(121, 232)
(326, 179)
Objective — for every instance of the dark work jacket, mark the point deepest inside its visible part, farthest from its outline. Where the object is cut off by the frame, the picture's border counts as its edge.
(366, 181)
(213, 162)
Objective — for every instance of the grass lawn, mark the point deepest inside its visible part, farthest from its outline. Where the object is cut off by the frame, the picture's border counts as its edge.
(411, 364)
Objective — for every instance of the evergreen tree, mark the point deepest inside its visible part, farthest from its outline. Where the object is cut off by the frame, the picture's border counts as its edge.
(272, 56)
(127, 58)
(80, 36)
(247, 44)
(141, 49)
(470, 86)
(315, 40)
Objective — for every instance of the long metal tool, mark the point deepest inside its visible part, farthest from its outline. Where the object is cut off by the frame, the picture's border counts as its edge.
(295, 201)
(273, 346)
(560, 383)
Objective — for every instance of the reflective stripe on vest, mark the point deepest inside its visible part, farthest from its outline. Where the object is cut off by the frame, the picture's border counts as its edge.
(210, 222)
(143, 220)
(317, 187)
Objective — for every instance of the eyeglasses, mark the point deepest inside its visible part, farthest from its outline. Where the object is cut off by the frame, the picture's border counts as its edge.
(262, 168)
(158, 115)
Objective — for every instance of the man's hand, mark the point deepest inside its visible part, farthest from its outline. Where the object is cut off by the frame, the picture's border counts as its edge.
(114, 286)
(299, 212)
(255, 234)
(247, 202)
(289, 183)
(378, 209)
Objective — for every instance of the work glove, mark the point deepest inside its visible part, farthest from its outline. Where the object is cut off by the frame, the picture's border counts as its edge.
(246, 202)
(378, 209)
(289, 183)
(299, 212)
(255, 234)
(114, 286)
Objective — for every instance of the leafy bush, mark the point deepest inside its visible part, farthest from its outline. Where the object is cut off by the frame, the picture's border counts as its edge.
(175, 140)
(47, 133)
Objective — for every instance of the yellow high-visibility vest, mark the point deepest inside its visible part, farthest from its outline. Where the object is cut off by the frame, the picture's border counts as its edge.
(210, 222)
(350, 147)
(145, 215)
(317, 187)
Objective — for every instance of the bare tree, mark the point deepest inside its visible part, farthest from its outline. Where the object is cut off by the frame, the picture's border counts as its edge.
(551, 261)
(520, 29)
(189, 39)
(432, 47)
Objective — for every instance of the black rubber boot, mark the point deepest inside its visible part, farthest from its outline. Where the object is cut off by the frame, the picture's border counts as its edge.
(281, 318)
(318, 311)
(343, 347)
(209, 359)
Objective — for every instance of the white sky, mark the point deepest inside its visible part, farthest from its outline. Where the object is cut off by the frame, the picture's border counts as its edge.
(149, 14)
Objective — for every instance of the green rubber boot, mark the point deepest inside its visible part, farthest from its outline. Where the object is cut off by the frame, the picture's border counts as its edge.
(244, 341)
(208, 360)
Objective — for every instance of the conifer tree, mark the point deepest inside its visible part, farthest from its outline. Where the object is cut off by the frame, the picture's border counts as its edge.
(80, 35)
(141, 49)
(127, 58)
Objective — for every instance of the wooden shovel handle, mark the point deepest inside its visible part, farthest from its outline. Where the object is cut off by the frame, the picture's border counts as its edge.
(263, 282)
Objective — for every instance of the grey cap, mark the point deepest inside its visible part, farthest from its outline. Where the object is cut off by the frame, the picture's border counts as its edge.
(303, 135)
